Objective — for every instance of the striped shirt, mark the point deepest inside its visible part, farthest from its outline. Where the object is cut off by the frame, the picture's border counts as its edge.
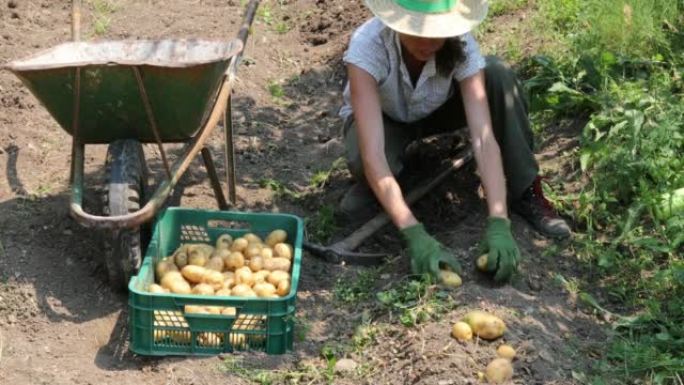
(375, 48)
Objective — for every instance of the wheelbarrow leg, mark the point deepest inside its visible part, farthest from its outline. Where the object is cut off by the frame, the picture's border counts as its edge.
(213, 178)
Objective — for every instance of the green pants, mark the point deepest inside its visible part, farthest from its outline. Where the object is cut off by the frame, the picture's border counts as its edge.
(508, 108)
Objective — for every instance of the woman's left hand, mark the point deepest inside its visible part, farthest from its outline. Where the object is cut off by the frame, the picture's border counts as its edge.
(503, 254)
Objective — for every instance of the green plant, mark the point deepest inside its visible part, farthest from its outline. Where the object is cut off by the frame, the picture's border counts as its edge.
(501, 7)
(321, 177)
(101, 11)
(322, 225)
(275, 89)
(279, 188)
(415, 301)
(358, 290)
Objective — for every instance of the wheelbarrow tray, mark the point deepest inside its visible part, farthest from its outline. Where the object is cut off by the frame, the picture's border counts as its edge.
(179, 77)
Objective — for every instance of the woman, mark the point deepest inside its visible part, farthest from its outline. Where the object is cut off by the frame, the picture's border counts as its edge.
(415, 69)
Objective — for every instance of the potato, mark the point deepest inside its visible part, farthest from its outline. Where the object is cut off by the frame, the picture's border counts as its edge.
(242, 290)
(215, 263)
(485, 325)
(171, 277)
(163, 267)
(193, 273)
(506, 351)
(180, 337)
(154, 288)
(213, 278)
(264, 289)
(225, 292)
(278, 276)
(261, 276)
(224, 241)
(210, 339)
(267, 252)
(228, 283)
(203, 248)
(245, 276)
(449, 278)
(214, 309)
(462, 331)
(252, 238)
(180, 259)
(180, 287)
(283, 287)
(482, 262)
(282, 250)
(239, 244)
(499, 371)
(276, 236)
(278, 263)
(197, 258)
(195, 309)
(252, 250)
(234, 261)
(229, 311)
(160, 335)
(256, 263)
(203, 289)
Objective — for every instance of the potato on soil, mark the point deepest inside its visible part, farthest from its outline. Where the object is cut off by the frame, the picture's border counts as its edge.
(449, 278)
(506, 351)
(462, 331)
(485, 325)
(482, 262)
(276, 236)
(193, 273)
(499, 371)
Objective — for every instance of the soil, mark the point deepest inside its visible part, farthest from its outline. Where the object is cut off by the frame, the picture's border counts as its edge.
(60, 323)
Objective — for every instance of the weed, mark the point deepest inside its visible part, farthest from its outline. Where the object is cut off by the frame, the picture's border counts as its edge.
(322, 225)
(501, 7)
(416, 301)
(282, 27)
(321, 177)
(101, 11)
(275, 89)
(279, 188)
(358, 290)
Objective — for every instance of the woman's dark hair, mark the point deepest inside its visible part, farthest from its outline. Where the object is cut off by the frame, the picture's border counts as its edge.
(450, 55)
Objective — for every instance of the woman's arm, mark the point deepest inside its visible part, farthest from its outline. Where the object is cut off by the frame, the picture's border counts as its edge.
(365, 103)
(485, 148)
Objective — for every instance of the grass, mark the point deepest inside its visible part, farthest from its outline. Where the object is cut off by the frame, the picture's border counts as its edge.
(102, 9)
(321, 226)
(620, 69)
(358, 290)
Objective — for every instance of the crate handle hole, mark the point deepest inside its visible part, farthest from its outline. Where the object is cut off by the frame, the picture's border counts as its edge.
(233, 225)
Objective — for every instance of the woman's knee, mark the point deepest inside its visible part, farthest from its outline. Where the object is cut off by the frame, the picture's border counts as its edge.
(498, 73)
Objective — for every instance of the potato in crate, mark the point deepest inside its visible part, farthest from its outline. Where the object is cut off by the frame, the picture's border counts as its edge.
(216, 281)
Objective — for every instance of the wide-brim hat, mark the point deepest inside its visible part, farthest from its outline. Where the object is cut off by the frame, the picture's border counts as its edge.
(430, 18)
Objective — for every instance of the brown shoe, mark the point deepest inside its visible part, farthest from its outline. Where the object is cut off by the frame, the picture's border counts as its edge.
(538, 211)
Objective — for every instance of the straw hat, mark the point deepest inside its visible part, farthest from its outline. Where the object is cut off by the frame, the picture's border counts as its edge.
(430, 18)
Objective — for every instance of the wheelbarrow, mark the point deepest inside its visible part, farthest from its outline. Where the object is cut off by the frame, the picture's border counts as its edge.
(124, 94)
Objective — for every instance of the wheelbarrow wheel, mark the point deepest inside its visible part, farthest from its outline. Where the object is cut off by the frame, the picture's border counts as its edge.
(124, 193)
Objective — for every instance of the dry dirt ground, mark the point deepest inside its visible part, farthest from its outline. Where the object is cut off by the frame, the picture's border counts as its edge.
(61, 324)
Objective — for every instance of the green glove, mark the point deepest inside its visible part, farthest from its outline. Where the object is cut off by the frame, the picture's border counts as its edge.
(502, 251)
(427, 253)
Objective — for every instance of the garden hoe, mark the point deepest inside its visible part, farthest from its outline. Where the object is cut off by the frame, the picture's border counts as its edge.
(343, 251)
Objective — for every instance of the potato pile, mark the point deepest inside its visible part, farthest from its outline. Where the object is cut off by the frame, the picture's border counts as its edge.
(488, 327)
(242, 267)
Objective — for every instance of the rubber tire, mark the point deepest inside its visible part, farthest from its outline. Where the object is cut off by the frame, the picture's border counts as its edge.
(124, 192)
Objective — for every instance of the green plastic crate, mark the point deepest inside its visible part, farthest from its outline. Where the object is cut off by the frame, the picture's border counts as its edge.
(158, 324)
